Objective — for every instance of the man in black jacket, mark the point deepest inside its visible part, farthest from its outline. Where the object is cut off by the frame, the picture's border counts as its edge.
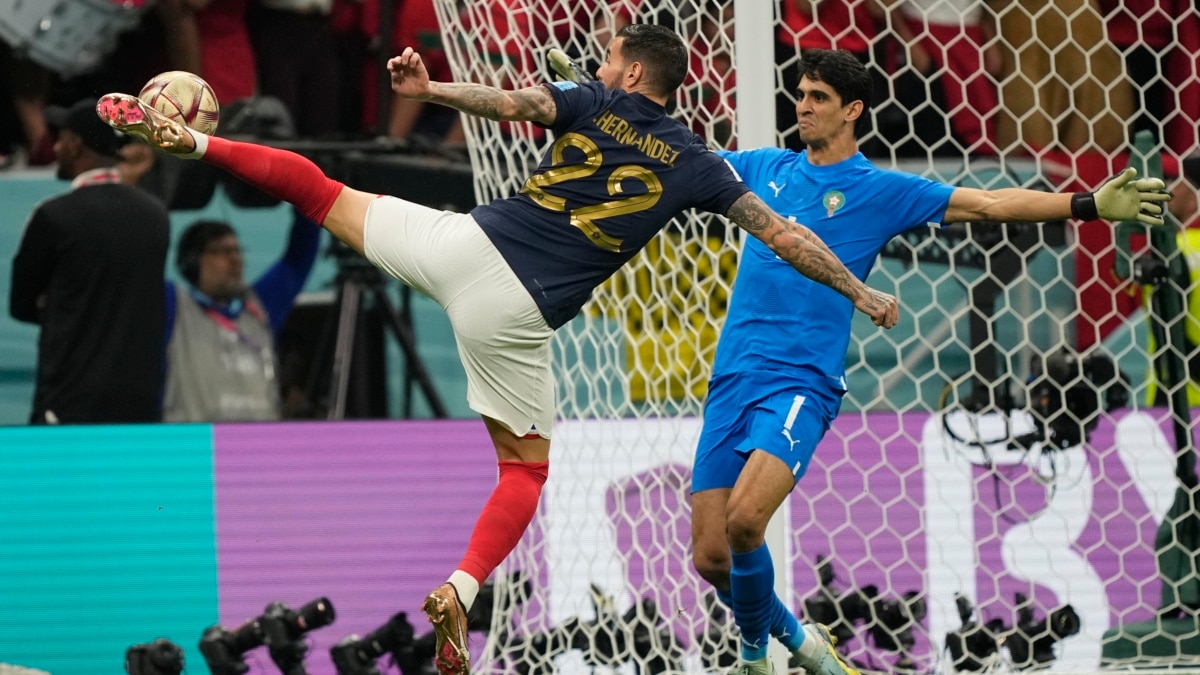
(89, 270)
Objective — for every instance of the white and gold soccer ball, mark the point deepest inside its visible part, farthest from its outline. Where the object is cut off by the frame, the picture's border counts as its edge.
(185, 98)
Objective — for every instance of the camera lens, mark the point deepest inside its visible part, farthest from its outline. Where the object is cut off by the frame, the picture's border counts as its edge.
(314, 615)
(1064, 622)
(246, 637)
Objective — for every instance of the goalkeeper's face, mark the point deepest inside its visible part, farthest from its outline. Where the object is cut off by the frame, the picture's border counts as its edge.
(821, 115)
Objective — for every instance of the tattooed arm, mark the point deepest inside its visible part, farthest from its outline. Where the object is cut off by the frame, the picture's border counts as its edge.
(410, 79)
(532, 104)
(797, 245)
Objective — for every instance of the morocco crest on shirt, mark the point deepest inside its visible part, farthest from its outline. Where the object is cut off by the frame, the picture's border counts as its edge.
(833, 200)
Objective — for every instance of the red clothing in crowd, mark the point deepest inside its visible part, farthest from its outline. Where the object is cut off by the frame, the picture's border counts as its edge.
(226, 55)
(837, 24)
(1171, 29)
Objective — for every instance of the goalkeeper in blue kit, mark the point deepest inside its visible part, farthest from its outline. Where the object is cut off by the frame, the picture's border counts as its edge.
(778, 376)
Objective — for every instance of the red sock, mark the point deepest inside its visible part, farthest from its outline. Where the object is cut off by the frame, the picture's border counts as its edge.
(280, 173)
(505, 516)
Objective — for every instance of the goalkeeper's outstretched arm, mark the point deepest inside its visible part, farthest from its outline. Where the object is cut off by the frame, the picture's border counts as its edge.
(1121, 198)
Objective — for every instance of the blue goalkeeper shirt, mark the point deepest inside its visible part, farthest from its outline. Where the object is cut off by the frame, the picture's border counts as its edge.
(780, 320)
(618, 172)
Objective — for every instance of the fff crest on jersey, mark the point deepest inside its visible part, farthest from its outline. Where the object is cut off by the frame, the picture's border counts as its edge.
(833, 200)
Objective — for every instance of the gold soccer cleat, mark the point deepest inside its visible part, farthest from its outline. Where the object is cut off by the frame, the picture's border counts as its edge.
(130, 115)
(449, 619)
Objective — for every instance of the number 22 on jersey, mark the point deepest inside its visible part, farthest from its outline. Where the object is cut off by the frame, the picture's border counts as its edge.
(585, 217)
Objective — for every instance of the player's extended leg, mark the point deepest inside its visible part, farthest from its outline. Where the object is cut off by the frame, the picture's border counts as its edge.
(710, 546)
(524, 465)
(504, 343)
(759, 613)
(787, 427)
(713, 558)
(280, 173)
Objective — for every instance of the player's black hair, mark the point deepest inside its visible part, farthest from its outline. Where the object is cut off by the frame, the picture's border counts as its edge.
(660, 51)
(192, 243)
(841, 70)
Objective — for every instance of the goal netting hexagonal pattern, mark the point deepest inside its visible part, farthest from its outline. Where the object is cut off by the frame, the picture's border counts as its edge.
(1006, 486)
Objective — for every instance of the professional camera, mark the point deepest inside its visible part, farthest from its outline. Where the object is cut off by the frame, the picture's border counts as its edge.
(837, 610)
(279, 627)
(356, 656)
(601, 640)
(655, 647)
(608, 641)
(284, 628)
(975, 646)
(413, 655)
(161, 657)
(890, 622)
(893, 620)
(223, 649)
(1030, 643)
(1065, 396)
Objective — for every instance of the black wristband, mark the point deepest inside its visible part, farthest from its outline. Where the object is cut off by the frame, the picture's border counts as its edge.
(1083, 206)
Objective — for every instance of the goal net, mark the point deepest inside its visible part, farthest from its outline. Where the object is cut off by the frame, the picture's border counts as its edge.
(1001, 489)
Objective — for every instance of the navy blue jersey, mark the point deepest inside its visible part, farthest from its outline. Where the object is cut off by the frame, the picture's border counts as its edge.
(618, 172)
(780, 320)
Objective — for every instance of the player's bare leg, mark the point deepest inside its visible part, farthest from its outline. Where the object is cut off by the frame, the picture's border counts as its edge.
(761, 488)
(523, 463)
(710, 546)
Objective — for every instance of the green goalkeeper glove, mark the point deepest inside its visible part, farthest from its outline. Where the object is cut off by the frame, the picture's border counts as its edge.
(1123, 198)
(565, 68)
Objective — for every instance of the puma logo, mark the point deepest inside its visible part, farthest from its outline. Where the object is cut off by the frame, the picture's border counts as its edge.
(775, 187)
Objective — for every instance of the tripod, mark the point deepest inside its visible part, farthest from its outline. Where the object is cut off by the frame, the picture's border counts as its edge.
(357, 282)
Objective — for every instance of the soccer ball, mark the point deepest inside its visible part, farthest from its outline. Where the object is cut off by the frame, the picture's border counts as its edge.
(185, 98)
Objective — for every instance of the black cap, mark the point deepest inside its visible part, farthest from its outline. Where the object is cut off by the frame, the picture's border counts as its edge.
(82, 119)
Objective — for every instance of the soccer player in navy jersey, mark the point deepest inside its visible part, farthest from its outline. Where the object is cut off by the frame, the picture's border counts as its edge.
(778, 376)
(511, 272)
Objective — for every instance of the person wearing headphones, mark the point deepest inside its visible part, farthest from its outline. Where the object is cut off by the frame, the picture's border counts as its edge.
(220, 333)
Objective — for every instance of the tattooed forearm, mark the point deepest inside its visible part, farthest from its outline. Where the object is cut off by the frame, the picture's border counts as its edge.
(473, 99)
(795, 244)
(532, 104)
(535, 104)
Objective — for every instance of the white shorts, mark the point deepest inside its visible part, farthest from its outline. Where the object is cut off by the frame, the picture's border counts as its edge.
(503, 339)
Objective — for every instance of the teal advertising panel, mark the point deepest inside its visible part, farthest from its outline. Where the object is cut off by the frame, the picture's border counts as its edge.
(107, 539)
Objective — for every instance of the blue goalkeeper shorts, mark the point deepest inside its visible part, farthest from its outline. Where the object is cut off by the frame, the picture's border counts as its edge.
(777, 413)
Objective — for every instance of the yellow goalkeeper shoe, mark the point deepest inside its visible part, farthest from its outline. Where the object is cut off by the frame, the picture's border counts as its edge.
(827, 660)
